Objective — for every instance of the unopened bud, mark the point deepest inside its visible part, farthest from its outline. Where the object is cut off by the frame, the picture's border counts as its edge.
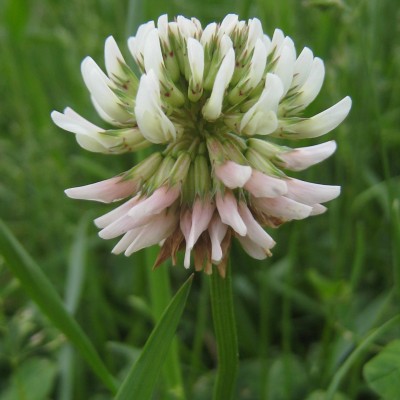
(202, 176)
(180, 169)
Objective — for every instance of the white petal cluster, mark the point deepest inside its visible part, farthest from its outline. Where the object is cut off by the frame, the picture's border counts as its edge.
(215, 98)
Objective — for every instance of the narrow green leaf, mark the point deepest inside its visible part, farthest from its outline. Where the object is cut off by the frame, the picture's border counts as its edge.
(382, 373)
(42, 292)
(141, 379)
(76, 267)
(160, 294)
(73, 290)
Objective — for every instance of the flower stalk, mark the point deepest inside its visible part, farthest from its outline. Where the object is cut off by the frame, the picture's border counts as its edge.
(223, 315)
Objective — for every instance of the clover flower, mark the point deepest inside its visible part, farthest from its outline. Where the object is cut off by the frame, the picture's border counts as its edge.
(214, 99)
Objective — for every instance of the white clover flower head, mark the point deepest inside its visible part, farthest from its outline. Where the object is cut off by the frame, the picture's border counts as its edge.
(215, 98)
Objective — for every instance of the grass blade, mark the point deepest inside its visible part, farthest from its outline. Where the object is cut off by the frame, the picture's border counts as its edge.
(42, 292)
(73, 291)
(141, 379)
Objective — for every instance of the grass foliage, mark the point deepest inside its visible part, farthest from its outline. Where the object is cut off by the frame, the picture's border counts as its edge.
(305, 317)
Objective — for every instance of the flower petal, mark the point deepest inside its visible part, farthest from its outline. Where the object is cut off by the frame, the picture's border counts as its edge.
(319, 124)
(262, 185)
(233, 175)
(99, 87)
(304, 157)
(116, 213)
(106, 191)
(228, 212)
(302, 67)
(155, 126)
(282, 207)
(196, 60)
(285, 66)
(157, 229)
(194, 223)
(213, 107)
(310, 193)
(252, 248)
(113, 58)
(158, 201)
(318, 209)
(152, 55)
(257, 65)
(217, 231)
(185, 225)
(311, 87)
(228, 24)
(138, 43)
(254, 230)
(202, 213)
(255, 120)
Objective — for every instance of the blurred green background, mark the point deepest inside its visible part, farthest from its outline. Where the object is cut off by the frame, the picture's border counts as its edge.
(332, 278)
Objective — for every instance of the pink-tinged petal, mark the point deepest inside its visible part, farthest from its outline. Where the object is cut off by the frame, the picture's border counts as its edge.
(252, 249)
(140, 214)
(254, 231)
(217, 231)
(116, 213)
(105, 191)
(123, 225)
(233, 175)
(185, 224)
(282, 207)
(304, 157)
(318, 209)
(159, 228)
(262, 185)
(311, 193)
(157, 202)
(228, 211)
(201, 217)
(126, 240)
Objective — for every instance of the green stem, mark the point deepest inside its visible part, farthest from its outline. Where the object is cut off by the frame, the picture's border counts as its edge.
(369, 339)
(198, 341)
(225, 334)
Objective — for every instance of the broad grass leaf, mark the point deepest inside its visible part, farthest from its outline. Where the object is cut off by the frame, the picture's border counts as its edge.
(43, 293)
(33, 379)
(382, 372)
